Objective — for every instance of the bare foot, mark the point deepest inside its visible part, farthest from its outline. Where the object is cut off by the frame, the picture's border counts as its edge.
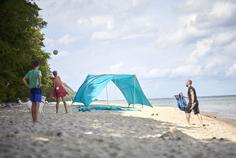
(188, 125)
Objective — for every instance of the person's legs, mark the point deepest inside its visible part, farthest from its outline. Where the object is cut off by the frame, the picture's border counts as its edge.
(57, 104)
(33, 111)
(197, 112)
(187, 118)
(200, 119)
(187, 114)
(36, 111)
(65, 105)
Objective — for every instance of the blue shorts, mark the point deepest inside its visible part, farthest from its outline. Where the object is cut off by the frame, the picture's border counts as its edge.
(35, 94)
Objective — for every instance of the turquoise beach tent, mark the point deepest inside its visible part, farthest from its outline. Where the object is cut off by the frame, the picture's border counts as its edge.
(127, 84)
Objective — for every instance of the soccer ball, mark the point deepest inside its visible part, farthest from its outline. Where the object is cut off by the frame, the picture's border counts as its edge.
(55, 52)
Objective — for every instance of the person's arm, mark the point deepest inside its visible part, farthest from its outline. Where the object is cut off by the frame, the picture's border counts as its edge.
(192, 99)
(39, 78)
(25, 82)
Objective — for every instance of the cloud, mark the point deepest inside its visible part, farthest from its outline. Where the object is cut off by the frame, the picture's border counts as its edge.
(116, 68)
(222, 14)
(127, 28)
(212, 68)
(66, 39)
(208, 27)
(77, 11)
(231, 70)
(200, 19)
(105, 21)
(202, 48)
(63, 40)
(105, 35)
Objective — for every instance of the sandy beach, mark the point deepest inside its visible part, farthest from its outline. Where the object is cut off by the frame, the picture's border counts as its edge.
(151, 132)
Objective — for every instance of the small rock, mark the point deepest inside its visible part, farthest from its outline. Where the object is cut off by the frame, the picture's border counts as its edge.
(59, 134)
(222, 139)
(178, 138)
(17, 132)
(10, 135)
(100, 140)
(213, 138)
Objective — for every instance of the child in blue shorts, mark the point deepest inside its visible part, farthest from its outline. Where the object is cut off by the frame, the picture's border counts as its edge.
(33, 81)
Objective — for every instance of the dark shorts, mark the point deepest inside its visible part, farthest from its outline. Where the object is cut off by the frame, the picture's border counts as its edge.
(195, 109)
(35, 94)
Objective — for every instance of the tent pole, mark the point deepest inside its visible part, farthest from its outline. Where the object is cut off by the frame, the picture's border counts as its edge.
(107, 95)
(134, 94)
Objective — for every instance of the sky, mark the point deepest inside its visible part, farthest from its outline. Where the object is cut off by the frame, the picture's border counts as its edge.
(163, 42)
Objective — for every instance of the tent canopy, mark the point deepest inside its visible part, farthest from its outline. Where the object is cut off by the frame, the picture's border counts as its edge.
(127, 84)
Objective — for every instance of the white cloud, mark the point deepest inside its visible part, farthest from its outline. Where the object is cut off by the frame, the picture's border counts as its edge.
(127, 28)
(209, 28)
(49, 41)
(105, 21)
(211, 68)
(224, 38)
(116, 68)
(203, 19)
(231, 70)
(66, 39)
(105, 35)
(202, 48)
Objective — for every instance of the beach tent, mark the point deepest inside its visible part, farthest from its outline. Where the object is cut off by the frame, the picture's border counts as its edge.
(127, 84)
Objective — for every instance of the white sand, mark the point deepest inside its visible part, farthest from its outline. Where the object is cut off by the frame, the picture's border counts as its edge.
(113, 134)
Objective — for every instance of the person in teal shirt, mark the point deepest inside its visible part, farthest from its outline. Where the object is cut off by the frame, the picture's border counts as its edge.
(32, 80)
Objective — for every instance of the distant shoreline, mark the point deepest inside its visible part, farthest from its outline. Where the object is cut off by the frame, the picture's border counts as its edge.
(214, 96)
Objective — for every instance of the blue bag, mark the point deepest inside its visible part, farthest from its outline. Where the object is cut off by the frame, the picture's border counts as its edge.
(181, 102)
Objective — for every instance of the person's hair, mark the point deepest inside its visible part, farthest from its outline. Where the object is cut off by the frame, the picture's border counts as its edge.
(35, 63)
(190, 82)
(54, 73)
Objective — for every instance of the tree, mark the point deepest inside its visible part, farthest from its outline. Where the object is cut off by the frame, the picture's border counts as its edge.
(21, 42)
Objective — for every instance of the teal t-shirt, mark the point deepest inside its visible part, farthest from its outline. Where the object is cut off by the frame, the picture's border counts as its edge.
(33, 77)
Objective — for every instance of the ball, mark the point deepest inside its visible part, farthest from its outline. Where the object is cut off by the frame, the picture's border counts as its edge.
(55, 52)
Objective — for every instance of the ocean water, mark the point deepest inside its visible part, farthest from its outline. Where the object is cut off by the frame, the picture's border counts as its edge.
(223, 106)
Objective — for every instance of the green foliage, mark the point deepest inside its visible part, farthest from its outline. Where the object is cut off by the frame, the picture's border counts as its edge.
(21, 42)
